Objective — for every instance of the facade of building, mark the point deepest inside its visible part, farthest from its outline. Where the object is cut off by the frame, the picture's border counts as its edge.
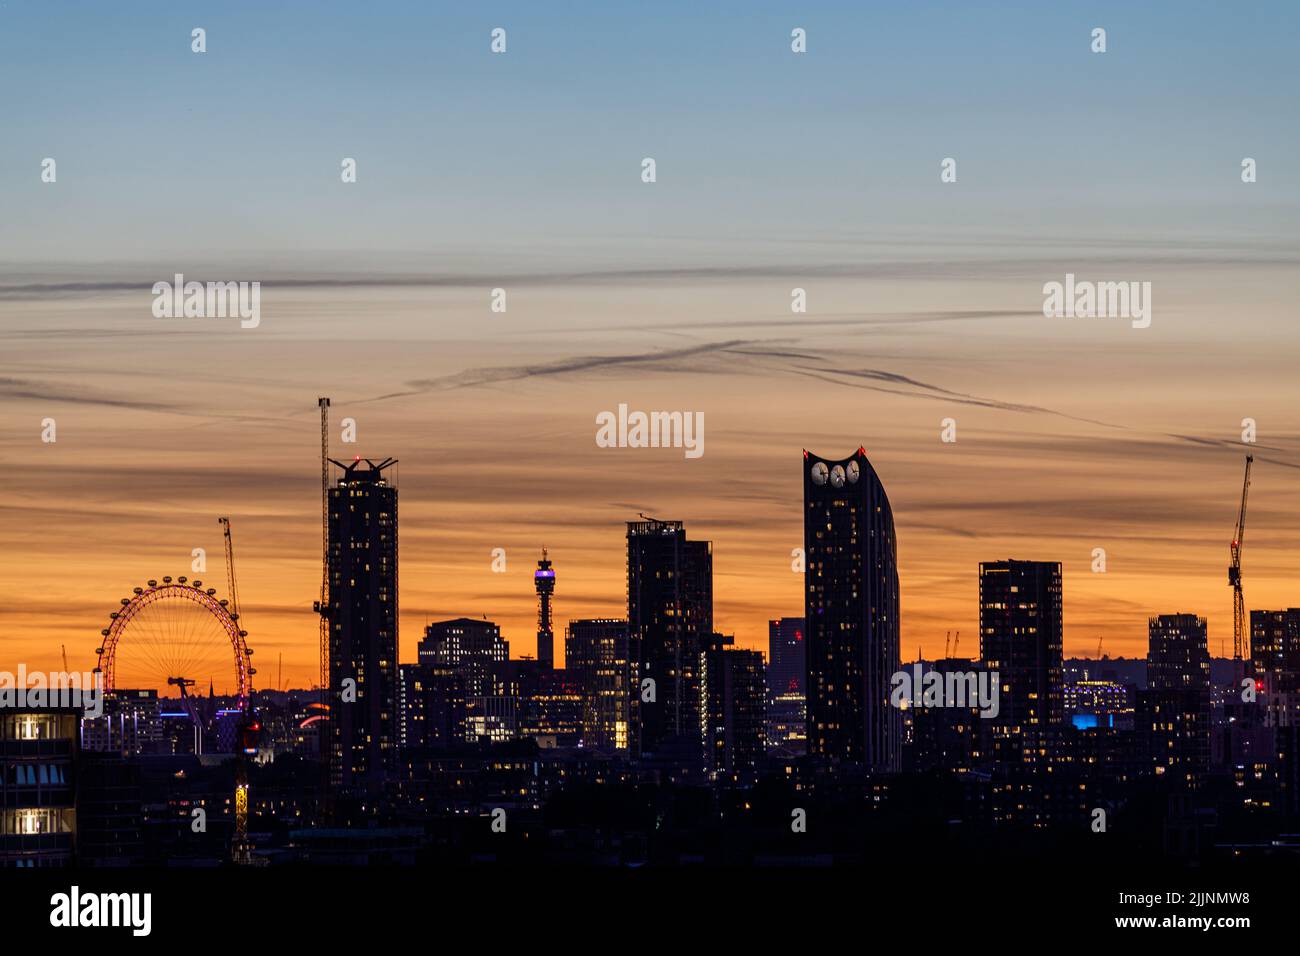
(1275, 659)
(598, 654)
(38, 760)
(670, 619)
(362, 619)
(1099, 703)
(552, 706)
(1178, 698)
(787, 664)
(947, 738)
(474, 651)
(733, 711)
(787, 672)
(131, 723)
(851, 612)
(110, 811)
(1020, 638)
(430, 706)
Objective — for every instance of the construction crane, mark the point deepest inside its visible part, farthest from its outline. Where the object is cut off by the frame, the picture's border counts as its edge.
(241, 850)
(1239, 640)
(236, 614)
(322, 607)
(1099, 637)
(230, 568)
(956, 643)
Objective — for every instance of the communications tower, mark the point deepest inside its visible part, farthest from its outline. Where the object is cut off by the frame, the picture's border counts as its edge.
(544, 581)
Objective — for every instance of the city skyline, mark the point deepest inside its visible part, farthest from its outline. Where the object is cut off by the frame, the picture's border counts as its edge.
(650, 444)
(516, 613)
(818, 172)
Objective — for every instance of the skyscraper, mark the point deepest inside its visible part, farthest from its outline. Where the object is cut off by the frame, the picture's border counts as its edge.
(475, 651)
(670, 618)
(544, 582)
(851, 612)
(430, 706)
(1020, 639)
(39, 757)
(1275, 659)
(733, 710)
(787, 667)
(787, 672)
(1178, 698)
(362, 614)
(597, 653)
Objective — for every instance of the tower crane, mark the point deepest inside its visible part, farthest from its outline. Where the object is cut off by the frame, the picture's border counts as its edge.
(241, 850)
(230, 568)
(325, 724)
(322, 606)
(236, 614)
(1240, 643)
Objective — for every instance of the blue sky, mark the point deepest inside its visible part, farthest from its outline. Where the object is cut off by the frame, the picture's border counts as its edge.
(237, 151)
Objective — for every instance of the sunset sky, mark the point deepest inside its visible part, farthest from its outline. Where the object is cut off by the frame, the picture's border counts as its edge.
(522, 171)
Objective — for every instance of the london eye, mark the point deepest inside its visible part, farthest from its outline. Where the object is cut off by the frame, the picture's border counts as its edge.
(176, 633)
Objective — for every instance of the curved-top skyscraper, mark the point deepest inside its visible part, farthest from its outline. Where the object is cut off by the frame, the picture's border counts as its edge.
(851, 612)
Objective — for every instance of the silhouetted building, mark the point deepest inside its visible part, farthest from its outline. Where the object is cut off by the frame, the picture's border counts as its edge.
(131, 723)
(552, 706)
(787, 666)
(110, 812)
(597, 654)
(851, 612)
(733, 710)
(787, 669)
(1098, 703)
(1275, 659)
(362, 619)
(787, 724)
(948, 738)
(544, 582)
(475, 651)
(1178, 698)
(1020, 638)
(430, 706)
(38, 757)
(670, 618)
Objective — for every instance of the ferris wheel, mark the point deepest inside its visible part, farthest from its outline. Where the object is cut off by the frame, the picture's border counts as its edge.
(176, 633)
